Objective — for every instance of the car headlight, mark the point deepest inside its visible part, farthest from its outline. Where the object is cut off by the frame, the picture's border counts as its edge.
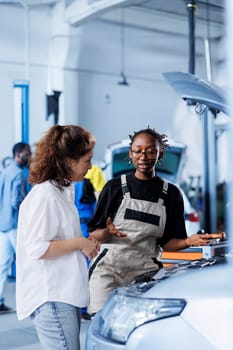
(123, 313)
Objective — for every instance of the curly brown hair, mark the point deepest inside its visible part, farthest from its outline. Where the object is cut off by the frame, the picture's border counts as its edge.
(56, 147)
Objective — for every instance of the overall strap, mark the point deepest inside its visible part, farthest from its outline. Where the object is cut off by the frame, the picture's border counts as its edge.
(164, 192)
(124, 186)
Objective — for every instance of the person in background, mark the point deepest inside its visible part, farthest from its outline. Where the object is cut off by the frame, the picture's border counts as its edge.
(86, 192)
(13, 189)
(97, 179)
(85, 202)
(136, 215)
(52, 274)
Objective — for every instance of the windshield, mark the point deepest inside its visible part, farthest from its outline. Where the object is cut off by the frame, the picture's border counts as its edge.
(120, 163)
(170, 162)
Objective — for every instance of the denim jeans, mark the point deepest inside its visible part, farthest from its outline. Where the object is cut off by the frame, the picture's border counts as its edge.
(57, 325)
(7, 251)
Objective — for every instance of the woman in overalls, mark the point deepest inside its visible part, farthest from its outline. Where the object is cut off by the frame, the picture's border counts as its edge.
(136, 216)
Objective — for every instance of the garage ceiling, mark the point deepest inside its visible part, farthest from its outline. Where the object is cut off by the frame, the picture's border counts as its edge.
(212, 8)
(206, 10)
(152, 26)
(153, 15)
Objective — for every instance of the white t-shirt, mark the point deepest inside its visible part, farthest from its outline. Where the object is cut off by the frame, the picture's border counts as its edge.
(48, 214)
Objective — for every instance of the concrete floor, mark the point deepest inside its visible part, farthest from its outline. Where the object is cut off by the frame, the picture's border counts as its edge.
(21, 335)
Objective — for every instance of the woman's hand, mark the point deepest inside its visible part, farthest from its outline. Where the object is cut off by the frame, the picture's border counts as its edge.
(97, 243)
(90, 247)
(197, 239)
(104, 234)
(113, 230)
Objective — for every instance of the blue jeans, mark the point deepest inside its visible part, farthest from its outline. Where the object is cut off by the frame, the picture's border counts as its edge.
(7, 251)
(57, 325)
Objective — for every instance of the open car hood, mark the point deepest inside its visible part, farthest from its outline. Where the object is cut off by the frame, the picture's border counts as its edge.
(197, 91)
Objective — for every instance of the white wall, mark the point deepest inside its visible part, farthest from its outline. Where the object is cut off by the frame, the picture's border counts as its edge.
(112, 111)
(13, 64)
(45, 59)
(85, 63)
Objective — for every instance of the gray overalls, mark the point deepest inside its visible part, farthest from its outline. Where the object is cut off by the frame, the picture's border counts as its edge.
(123, 258)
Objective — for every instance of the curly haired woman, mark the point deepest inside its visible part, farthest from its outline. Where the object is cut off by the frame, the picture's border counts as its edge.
(52, 276)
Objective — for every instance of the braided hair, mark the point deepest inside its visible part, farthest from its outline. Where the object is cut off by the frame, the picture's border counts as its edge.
(161, 138)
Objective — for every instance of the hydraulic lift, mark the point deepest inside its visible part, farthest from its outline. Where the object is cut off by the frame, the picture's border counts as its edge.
(208, 100)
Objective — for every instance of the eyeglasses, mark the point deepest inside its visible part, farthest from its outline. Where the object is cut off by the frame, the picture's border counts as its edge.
(149, 154)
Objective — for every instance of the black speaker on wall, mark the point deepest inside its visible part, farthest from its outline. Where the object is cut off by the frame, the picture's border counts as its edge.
(52, 102)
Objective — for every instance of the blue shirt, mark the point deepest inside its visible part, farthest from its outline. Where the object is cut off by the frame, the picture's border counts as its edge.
(85, 208)
(13, 189)
(85, 202)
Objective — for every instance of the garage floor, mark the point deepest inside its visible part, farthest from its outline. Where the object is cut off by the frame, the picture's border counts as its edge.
(21, 335)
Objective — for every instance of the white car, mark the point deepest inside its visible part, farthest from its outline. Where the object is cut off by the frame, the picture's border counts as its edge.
(186, 306)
